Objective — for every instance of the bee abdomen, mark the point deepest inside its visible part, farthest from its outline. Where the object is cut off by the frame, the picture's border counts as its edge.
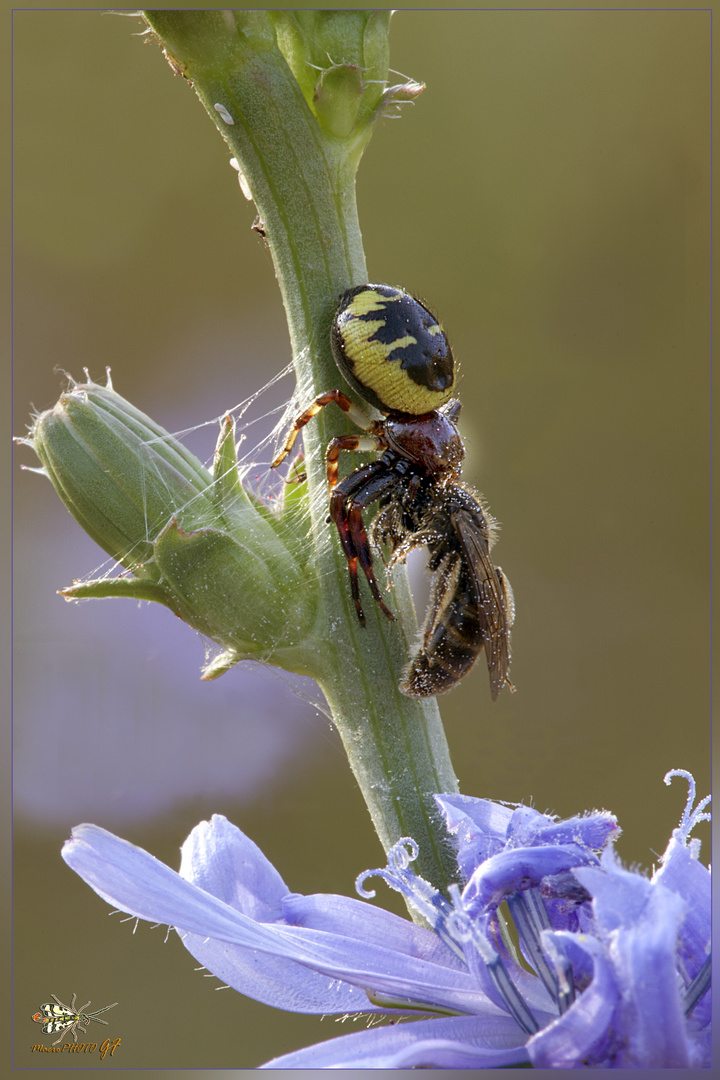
(449, 648)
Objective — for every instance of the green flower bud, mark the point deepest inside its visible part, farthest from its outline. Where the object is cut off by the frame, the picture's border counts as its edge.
(340, 61)
(197, 541)
(120, 475)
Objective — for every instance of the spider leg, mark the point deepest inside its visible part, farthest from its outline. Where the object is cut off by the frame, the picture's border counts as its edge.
(363, 443)
(338, 514)
(347, 502)
(356, 414)
(362, 546)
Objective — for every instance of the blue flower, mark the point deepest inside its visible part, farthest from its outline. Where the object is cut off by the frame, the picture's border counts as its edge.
(621, 962)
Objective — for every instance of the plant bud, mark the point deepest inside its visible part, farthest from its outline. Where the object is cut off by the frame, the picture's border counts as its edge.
(194, 540)
(340, 61)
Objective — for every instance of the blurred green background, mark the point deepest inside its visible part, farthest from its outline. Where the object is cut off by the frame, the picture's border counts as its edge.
(548, 195)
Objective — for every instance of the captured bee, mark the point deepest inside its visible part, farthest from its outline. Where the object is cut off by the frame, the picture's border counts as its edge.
(395, 355)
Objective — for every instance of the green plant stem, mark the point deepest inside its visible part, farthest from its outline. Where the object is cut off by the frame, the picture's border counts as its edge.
(303, 185)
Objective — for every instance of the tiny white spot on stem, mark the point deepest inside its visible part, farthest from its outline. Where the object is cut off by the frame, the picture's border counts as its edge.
(244, 186)
(223, 113)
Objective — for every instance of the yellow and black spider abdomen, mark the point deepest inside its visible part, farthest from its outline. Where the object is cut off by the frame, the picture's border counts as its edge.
(392, 350)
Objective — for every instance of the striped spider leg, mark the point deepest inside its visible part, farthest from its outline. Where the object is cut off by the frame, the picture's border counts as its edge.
(349, 496)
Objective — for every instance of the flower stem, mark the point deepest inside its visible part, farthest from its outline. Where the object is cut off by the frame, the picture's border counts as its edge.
(302, 181)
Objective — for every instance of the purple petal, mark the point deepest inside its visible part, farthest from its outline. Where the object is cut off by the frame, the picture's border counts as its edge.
(529, 829)
(581, 1035)
(640, 922)
(645, 960)
(132, 880)
(218, 857)
(478, 828)
(452, 1043)
(518, 868)
(619, 895)
(276, 980)
(222, 860)
(359, 919)
(682, 873)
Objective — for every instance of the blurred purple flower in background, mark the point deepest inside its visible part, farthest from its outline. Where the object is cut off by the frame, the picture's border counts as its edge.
(106, 717)
(621, 962)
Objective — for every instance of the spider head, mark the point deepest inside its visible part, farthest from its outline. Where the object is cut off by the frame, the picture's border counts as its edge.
(431, 441)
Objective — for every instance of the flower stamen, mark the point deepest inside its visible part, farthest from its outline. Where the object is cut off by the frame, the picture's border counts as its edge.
(452, 924)
(690, 817)
(531, 918)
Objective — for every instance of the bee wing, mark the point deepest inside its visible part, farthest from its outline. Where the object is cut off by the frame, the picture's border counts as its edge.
(493, 595)
(443, 588)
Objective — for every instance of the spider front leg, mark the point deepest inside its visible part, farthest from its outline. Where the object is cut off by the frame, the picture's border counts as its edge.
(358, 416)
(345, 510)
(348, 499)
(363, 443)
